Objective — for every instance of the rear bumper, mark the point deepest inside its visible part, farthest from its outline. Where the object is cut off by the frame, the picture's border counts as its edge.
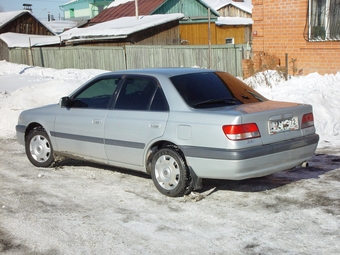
(250, 162)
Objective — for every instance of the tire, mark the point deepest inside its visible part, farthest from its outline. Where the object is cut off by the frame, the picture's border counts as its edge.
(38, 148)
(169, 173)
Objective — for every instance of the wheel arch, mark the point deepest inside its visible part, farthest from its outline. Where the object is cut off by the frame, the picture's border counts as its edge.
(195, 181)
(156, 146)
(32, 126)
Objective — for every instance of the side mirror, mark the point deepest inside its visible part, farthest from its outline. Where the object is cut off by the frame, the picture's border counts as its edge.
(65, 102)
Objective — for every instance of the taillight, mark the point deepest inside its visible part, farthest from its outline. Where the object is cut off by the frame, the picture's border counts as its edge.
(307, 120)
(241, 132)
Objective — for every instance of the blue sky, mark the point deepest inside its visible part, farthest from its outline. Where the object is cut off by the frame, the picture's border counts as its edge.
(40, 7)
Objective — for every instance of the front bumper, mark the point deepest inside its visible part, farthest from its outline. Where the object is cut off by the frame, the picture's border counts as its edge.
(20, 130)
(250, 162)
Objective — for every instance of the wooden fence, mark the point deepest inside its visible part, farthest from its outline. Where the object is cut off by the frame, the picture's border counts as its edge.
(221, 57)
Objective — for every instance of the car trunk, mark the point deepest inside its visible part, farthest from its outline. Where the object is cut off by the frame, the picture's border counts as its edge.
(277, 121)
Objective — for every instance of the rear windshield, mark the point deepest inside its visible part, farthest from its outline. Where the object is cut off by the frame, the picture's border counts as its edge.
(214, 89)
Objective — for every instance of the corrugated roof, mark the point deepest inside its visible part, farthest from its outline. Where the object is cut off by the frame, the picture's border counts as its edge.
(145, 7)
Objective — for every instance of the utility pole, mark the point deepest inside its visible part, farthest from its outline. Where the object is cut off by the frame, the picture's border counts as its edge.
(136, 8)
(209, 39)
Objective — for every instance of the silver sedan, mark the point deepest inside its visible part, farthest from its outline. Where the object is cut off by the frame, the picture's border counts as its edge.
(180, 125)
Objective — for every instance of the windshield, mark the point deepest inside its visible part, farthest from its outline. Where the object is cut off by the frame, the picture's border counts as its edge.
(214, 89)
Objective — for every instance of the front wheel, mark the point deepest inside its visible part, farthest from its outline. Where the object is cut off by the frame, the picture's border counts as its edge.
(39, 148)
(170, 173)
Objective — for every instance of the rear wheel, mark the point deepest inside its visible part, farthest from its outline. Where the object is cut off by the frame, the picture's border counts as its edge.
(39, 148)
(170, 173)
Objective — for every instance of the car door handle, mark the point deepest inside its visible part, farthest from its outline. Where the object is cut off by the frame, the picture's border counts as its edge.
(96, 121)
(154, 125)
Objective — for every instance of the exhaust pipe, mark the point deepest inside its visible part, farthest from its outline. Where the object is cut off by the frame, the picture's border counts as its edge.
(305, 164)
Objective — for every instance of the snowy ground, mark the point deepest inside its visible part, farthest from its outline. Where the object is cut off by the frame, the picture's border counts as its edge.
(80, 208)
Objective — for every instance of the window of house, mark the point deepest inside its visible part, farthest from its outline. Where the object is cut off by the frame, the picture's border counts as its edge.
(71, 13)
(323, 21)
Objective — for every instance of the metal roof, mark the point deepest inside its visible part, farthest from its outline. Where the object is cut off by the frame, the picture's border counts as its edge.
(145, 7)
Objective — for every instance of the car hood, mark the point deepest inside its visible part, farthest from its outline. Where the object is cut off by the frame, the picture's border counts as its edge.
(40, 114)
(51, 108)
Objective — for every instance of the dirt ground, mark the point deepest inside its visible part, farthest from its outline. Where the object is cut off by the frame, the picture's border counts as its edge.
(81, 208)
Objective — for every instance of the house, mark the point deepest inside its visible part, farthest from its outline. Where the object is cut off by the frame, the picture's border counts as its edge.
(233, 30)
(196, 28)
(232, 8)
(234, 26)
(83, 9)
(146, 30)
(299, 36)
(23, 22)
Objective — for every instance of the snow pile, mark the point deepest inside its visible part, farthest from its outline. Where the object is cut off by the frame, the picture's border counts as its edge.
(23, 87)
(321, 91)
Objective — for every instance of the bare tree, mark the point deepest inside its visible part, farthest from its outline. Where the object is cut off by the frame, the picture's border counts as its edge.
(1, 8)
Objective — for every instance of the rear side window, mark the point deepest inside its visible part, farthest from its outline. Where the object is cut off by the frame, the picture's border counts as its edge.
(141, 94)
(209, 89)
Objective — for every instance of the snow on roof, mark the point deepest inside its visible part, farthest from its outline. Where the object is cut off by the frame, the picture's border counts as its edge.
(122, 27)
(59, 26)
(246, 5)
(25, 40)
(118, 2)
(71, 1)
(6, 17)
(233, 21)
(114, 29)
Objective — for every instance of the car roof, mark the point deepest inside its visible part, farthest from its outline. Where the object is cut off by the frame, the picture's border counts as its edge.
(164, 71)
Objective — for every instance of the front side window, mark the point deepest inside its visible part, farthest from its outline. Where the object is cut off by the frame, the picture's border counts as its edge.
(323, 20)
(97, 95)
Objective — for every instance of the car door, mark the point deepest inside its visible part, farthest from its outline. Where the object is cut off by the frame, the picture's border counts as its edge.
(139, 116)
(79, 128)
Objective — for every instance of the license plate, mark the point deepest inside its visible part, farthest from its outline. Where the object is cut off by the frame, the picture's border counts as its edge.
(279, 126)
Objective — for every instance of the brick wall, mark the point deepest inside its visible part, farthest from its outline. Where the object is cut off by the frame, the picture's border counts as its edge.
(278, 29)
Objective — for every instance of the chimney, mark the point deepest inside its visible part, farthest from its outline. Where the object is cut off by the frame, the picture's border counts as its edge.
(27, 7)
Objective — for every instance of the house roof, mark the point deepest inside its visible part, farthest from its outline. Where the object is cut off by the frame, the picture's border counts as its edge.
(114, 29)
(118, 2)
(69, 2)
(120, 28)
(6, 17)
(126, 9)
(25, 40)
(246, 5)
(59, 26)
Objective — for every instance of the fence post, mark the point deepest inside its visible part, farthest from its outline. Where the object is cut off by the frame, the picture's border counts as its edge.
(286, 72)
(235, 60)
(30, 55)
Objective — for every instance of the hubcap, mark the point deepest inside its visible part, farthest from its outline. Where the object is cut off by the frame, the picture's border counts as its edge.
(40, 148)
(167, 172)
